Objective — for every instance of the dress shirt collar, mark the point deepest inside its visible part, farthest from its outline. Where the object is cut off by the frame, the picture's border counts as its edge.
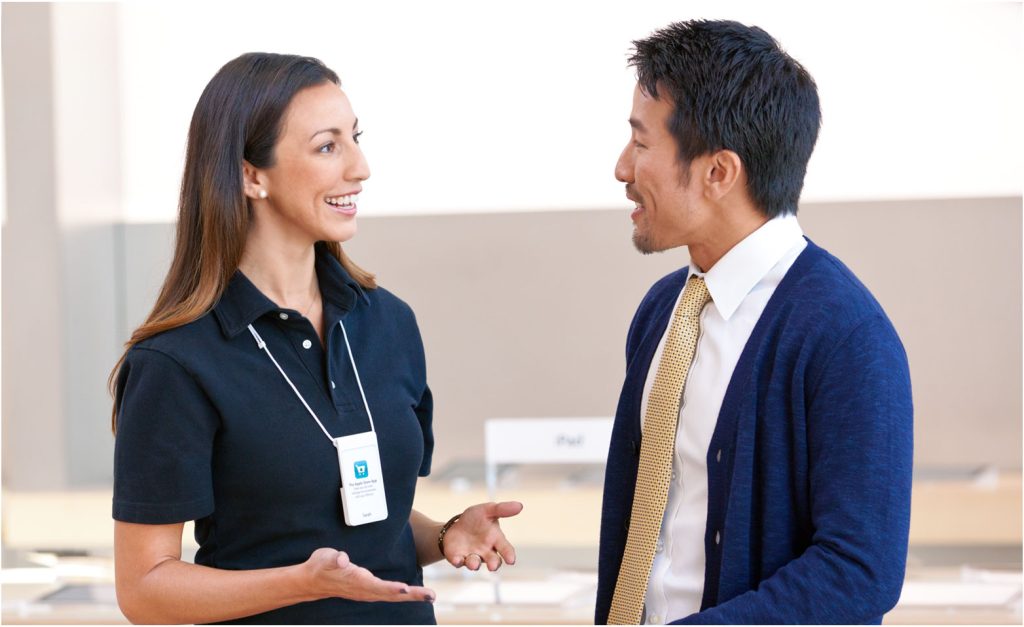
(242, 302)
(739, 270)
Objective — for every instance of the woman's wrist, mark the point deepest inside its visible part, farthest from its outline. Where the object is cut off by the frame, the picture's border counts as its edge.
(445, 528)
(300, 582)
(425, 531)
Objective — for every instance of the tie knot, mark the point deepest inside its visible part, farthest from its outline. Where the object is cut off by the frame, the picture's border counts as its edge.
(696, 294)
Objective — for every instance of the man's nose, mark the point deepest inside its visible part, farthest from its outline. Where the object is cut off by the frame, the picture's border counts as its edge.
(624, 166)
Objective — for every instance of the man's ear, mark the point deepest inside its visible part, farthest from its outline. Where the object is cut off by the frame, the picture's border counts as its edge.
(724, 171)
(253, 182)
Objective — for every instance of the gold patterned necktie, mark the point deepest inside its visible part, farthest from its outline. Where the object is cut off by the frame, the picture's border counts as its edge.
(656, 450)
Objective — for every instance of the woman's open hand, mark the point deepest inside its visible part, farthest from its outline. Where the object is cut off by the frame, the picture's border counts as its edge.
(331, 574)
(476, 537)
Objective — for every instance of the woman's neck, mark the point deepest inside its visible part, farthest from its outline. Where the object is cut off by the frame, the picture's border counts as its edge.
(284, 271)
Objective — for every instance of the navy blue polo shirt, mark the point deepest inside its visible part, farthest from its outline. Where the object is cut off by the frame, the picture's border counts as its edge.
(209, 430)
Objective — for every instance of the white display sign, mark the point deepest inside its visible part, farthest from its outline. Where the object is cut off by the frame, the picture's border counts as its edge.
(547, 440)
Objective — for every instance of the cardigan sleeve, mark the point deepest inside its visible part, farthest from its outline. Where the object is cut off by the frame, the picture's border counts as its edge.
(860, 448)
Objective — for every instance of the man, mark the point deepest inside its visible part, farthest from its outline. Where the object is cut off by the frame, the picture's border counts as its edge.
(760, 464)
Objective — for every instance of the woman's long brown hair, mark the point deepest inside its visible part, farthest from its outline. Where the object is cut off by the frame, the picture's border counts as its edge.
(238, 117)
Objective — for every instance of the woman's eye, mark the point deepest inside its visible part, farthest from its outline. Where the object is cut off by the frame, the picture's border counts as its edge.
(355, 137)
(327, 148)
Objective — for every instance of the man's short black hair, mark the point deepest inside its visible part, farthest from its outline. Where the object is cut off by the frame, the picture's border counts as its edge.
(734, 88)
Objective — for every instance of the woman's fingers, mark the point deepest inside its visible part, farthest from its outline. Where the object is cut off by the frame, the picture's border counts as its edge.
(505, 550)
(419, 593)
(396, 591)
(493, 561)
(472, 561)
(371, 588)
(337, 576)
(506, 509)
(342, 560)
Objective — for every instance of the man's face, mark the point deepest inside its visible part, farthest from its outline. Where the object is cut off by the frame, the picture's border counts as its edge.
(667, 210)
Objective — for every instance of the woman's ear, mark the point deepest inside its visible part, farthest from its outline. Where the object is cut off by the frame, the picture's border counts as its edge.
(253, 182)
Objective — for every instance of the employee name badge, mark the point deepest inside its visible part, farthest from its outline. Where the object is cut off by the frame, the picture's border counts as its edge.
(362, 483)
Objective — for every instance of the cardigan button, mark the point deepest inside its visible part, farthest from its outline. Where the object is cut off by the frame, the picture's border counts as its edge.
(718, 457)
(718, 537)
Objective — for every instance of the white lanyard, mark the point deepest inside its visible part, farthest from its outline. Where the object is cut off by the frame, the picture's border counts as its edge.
(263, 346)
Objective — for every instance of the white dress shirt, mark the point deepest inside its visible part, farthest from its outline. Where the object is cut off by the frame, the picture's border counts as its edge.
(740, 285)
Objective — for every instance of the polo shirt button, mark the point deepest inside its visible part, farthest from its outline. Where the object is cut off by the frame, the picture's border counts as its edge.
(283, 315)
(654, 620)
(673, 475)
(718, 537)
(306, 343)
(718, 457)
(660, 546)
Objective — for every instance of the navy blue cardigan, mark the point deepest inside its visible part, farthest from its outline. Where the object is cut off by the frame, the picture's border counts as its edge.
(809, 468)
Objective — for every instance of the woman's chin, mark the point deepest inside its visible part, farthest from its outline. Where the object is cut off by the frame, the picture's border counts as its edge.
(342, 232)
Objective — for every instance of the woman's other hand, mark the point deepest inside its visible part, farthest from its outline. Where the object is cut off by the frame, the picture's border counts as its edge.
(330, 573)
(476, 537)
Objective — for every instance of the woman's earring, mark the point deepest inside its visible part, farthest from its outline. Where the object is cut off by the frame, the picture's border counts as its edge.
(262, 193)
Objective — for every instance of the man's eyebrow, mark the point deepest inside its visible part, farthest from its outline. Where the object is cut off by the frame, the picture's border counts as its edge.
(637, 124)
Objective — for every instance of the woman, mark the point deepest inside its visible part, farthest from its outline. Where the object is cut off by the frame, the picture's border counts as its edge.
(265, 346)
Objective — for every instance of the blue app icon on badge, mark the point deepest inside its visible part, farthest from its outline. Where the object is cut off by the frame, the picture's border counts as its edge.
(362, 471)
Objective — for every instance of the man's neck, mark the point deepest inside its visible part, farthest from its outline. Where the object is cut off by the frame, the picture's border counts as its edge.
(731, 229)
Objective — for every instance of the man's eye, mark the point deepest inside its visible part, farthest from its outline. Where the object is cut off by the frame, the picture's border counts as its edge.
(327, 148)
(355, 137)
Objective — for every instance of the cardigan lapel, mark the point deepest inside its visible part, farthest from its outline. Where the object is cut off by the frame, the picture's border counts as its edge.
(739, 395)
(739, 383)
(640, 362)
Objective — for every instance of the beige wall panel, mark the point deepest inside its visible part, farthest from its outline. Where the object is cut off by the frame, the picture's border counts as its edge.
(526, 314)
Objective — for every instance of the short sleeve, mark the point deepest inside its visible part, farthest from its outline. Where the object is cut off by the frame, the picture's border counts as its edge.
(425, 407)
(166, 427)
(425, 415)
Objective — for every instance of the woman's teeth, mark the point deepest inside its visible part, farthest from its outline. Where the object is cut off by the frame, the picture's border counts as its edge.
(343, 201)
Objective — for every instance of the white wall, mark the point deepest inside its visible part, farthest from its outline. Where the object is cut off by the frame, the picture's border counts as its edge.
(523, 105)
(3, 153)
(86, 113)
